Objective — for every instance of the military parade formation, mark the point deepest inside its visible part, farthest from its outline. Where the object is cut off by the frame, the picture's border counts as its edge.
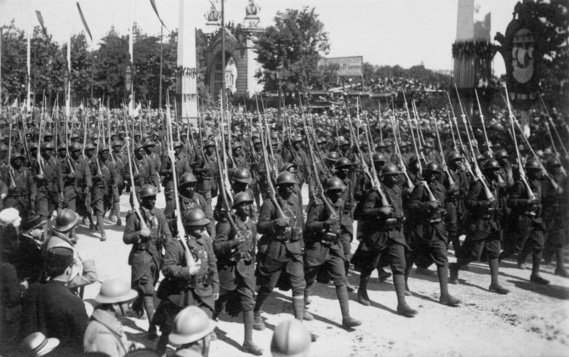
(408, 185)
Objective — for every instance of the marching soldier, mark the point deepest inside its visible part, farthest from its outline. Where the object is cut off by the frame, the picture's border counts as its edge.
(281, 248)
(455, 202)
(49, 181)
(529, 229)
(483, 227)
(234, 247)
(22, 189)
(105, 190)
(182, 167)
(380, 231)
(144, 173)
(145, 257)
(183, 285)
(429, 237)
(324, 240)
(206, 171)
(119, 161)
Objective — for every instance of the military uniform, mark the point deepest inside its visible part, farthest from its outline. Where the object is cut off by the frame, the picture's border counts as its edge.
(145, 257)
(49, 187)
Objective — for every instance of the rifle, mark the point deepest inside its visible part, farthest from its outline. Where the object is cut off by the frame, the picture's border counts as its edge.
(327, 204)
(554, 148)
(396, 134)
(270, 144)
(419, 157)
(483, 124)
(554, 128)
(462, 148)
(189, 257)
(10, 171)
(479, 176)
(451, 131)
(271, 189)
(445, 167)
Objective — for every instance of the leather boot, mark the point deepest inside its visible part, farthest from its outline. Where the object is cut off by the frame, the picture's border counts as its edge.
(363, 298)
(248, 345)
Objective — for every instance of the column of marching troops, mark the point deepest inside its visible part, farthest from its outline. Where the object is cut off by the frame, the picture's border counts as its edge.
(409, 209)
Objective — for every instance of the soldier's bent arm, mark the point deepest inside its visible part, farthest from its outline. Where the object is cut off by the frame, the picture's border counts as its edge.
(131, 230)
(173, 265)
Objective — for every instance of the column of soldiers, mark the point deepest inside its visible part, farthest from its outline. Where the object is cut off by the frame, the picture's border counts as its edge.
(410, 206)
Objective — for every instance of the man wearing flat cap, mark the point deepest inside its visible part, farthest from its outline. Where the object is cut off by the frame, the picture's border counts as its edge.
(51, 308)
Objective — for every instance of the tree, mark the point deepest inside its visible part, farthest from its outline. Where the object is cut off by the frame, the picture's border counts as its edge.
(294, 43)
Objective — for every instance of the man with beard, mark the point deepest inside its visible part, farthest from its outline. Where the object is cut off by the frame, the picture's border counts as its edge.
(24, 193)
(281, 248)
(145, 256)
(324, 239)
(183, 285)
(429, 237)
(234, 247)
(381, 232)
(49, 181)
(527, 212)
(483, 227)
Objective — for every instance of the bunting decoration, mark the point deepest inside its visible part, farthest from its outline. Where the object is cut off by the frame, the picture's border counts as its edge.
(84, 22)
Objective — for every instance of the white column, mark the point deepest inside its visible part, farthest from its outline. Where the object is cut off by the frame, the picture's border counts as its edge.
(186, 83)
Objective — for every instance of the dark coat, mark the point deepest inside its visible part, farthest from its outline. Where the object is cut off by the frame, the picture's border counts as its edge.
(235, 263)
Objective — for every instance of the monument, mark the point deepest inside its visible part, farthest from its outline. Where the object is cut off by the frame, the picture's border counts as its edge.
(186, 81)
(240, 59)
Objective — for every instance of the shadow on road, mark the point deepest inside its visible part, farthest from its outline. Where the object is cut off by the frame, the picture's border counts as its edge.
(553, 291)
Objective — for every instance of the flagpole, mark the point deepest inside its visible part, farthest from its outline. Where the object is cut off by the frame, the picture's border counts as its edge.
(160, 86)
(68, 97)
(29, 64)
(131, 54)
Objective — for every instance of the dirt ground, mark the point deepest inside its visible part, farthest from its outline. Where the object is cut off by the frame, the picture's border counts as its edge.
(531, 321)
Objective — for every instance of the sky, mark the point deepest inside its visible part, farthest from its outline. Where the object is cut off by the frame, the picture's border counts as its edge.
(384, 32)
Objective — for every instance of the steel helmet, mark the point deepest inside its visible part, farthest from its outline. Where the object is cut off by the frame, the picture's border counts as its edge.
(148, 191)
(491, 164)
(65, 220)
(381, 144)
(47, 145)
(290, 339)
(117, 143)
(208, 143)
(288, 167)
(103, 149)
(454, 155)
(115, 290)
(16, 156)
(335, 183)
(178, 144)
(75, 147)
(59, 147)
(191, 325)
(286, 177)
(553, 162)
(433, 167)
(241, 175)
(89, 147)
(532, 164)
(138, 147)
(187, 179)
(148, 143)
(332, 156)
(343, 162)
(195, 217)
(378, 157)
(241, 197)
(389, 169)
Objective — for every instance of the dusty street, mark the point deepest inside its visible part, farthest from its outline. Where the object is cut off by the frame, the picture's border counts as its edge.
(531, 321)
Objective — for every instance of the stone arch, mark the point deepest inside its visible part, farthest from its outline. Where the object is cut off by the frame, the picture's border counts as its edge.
(215, 69)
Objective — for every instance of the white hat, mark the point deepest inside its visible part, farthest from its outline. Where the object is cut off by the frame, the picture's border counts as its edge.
(39, 344)
(10, 216)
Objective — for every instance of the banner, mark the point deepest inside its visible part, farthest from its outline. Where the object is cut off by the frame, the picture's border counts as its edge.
(156, 11)
(348, 66)
(84, 22)
(40, 19)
